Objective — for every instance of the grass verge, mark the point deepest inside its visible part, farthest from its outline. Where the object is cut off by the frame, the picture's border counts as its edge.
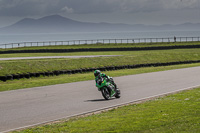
(128, 58)
(45, 81)
(175, 113)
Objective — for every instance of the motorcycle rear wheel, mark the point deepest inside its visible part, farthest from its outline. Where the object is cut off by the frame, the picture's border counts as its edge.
(118, 93)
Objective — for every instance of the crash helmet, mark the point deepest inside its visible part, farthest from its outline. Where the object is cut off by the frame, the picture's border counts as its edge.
(97, 73)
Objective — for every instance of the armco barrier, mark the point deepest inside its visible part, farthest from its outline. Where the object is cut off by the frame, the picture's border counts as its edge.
(100, 49)
(101, 41)
(107, 68)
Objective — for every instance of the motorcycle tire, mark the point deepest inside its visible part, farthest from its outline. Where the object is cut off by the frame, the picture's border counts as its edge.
(118, 93)
(106, 93)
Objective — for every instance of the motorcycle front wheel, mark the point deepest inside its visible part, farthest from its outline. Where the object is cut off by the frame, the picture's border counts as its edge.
(105, 93)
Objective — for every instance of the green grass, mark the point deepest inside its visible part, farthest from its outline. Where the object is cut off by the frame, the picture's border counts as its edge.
(128, 58)
(45, 81)
(175, 113)
(112, 45)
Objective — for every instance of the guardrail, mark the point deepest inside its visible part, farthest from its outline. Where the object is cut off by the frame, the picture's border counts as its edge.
(100, 41)
(106, 68)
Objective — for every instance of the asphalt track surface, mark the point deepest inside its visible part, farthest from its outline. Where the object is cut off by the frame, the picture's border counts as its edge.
(27, 107)
(55, 57)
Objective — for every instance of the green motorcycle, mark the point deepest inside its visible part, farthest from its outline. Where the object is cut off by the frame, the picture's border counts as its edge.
(107, 88)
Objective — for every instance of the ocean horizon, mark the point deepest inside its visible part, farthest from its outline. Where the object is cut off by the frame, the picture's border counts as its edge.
(43, 37)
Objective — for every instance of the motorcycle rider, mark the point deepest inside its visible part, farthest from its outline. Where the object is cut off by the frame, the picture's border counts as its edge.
(99, 75)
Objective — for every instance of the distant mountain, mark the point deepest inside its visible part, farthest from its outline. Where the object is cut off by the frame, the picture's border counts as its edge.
(59, 24)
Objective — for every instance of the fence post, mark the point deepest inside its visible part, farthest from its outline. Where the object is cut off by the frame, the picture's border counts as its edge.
(133, 40)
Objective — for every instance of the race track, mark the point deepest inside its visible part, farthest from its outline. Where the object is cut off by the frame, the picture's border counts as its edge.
(55, 57)
(21, 108)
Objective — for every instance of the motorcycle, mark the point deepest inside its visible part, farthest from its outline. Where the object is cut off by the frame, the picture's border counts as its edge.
(107, 88)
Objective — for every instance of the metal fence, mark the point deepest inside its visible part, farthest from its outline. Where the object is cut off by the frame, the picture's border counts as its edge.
(100, 41)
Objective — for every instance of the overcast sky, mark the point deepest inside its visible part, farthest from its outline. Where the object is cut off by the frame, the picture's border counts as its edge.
(149, 12)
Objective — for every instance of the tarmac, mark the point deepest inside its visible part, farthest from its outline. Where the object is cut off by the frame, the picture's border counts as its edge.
(32, 106)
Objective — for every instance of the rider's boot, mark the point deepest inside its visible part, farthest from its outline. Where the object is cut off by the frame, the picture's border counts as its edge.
(115, 85)
(113, 92)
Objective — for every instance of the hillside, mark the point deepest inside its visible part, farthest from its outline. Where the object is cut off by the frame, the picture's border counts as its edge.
(59, 24)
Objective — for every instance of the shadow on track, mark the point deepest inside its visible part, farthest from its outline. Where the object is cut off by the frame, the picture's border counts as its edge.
(98, 100)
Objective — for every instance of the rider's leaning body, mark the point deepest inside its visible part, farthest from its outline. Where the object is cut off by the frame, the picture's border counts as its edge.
(98, 75)
(106, 85)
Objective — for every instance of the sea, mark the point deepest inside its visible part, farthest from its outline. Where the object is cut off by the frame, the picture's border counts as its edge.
(44, 37)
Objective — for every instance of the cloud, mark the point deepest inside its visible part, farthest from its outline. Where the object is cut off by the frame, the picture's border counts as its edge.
(129, 6)
(46, 7)
(67, 9)
(27, 7)
(180, 4)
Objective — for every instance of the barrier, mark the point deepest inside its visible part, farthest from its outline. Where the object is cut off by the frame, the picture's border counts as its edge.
(106, 68)
(99, 41)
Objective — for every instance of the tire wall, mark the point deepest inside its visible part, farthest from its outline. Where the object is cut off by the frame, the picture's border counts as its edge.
(107, 68)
